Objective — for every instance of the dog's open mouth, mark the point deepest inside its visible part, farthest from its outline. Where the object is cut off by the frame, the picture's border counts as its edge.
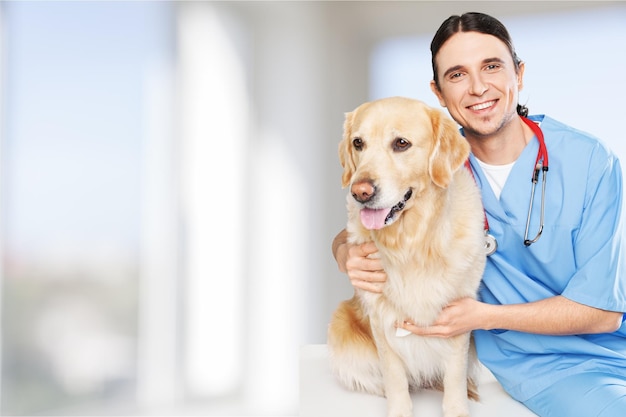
(373, 219)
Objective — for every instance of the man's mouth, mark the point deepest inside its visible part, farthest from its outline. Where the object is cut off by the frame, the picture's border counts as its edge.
(482, 106)
(373, 219)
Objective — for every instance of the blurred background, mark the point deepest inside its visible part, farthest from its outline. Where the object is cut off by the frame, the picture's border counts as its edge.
(170, 187)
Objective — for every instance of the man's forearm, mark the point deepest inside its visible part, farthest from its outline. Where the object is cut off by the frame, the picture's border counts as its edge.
(339, 249)
(554, 316)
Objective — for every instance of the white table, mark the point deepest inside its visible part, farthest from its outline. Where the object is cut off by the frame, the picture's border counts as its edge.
(322, 396)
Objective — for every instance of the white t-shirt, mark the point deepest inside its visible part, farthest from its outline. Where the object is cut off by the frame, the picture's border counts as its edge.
(496, 175)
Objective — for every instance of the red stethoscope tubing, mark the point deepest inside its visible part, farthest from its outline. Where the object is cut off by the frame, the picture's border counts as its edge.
(541, 164)
(542, 153)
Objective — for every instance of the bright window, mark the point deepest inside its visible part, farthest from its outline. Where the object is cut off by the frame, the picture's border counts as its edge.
(77, 77)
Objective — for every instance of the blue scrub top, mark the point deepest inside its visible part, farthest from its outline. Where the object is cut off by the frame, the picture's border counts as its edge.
(579, 255)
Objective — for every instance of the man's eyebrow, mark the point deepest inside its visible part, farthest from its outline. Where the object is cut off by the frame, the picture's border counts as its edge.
(452, 70)
(485, 61)
(494, 59)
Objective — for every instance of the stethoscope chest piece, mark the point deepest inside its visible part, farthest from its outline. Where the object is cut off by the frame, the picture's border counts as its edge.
(490, 244)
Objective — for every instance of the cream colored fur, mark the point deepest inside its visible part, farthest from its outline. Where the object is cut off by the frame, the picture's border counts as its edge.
(432, 251)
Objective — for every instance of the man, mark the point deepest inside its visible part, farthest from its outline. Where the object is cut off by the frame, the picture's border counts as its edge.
(549, 320)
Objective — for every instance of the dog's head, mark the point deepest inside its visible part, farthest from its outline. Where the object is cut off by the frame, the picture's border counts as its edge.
(392, 150)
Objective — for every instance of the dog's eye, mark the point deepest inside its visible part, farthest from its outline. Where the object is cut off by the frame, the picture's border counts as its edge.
(357, 143)
(401, 145)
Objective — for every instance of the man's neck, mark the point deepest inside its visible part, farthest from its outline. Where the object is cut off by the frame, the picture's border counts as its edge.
(504, 146)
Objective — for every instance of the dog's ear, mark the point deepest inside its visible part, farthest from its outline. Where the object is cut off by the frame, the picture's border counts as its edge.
(449, 151)
(345, 154)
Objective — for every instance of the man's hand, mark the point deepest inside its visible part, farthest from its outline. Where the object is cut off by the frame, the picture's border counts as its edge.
(360, 262)
(365, 272)
(460, 316)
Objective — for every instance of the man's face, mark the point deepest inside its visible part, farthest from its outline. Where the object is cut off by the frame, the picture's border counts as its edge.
(478, 82)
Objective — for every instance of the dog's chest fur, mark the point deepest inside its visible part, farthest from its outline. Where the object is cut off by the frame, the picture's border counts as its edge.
(425, 255)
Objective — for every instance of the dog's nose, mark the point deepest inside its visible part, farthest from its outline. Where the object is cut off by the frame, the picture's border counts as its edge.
(363, 191)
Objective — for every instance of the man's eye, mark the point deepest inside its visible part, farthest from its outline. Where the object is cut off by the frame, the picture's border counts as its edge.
(401, 145)
(358, 144)
(455, 77)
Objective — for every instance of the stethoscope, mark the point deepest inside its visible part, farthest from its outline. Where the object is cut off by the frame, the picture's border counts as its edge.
(541, 164)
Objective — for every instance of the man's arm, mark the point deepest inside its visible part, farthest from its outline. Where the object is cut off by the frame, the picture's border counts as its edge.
(555, 316)
(551, 316)
(340, 250)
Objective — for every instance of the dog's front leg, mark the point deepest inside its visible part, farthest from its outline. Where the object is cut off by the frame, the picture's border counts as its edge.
(455, 403)
(399, 403)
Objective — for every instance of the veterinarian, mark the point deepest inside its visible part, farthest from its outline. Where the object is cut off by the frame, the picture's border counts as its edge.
(549, 320)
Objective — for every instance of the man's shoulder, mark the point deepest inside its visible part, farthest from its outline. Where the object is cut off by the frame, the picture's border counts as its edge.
(555, 130)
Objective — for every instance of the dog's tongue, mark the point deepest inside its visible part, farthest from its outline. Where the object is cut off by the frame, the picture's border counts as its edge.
(374, 219)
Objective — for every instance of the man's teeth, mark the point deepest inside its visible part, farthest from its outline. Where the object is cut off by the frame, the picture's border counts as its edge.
(482, 106)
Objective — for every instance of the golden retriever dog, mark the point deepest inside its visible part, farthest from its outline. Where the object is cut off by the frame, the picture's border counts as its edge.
(411, 194)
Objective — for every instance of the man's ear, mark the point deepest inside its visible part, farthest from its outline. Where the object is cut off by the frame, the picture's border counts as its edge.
(520, 76)
(435, 90)
(450, 149)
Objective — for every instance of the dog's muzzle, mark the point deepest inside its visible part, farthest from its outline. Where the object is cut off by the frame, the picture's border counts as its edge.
(373, 219)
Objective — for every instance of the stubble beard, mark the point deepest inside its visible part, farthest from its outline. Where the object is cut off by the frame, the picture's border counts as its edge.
(489, 132)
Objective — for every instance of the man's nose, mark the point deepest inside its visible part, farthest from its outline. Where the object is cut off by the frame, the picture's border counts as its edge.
(478, 86)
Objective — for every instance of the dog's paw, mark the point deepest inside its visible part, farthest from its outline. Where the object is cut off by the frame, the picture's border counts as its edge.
(456, 412)
(454, 406)
(399, 413)
(401, 409)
